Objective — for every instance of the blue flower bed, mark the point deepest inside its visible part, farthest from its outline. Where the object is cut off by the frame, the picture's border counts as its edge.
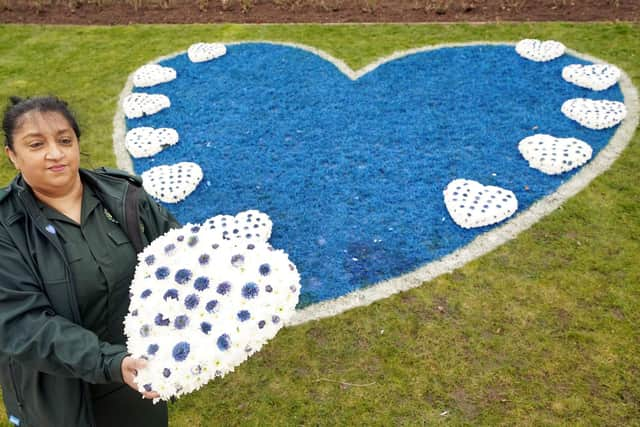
(352, 172)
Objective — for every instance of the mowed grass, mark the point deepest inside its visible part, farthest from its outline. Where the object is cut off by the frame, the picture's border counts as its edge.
(542, 331)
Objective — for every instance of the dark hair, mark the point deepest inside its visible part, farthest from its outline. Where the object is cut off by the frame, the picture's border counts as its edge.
(18, 106)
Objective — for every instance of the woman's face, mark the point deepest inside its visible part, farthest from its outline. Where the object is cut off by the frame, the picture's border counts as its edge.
(46, 152)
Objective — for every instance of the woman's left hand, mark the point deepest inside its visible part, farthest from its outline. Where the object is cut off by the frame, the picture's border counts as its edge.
(130, 368)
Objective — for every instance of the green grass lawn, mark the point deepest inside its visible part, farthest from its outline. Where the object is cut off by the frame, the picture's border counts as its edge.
(542, 331)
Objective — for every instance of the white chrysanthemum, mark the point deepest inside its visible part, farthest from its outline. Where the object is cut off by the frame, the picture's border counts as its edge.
(201, 305)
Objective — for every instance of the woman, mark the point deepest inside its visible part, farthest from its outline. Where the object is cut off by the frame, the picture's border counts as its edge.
(68, 244)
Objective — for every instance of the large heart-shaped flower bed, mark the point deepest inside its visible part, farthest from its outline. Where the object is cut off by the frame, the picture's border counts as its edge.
(351, 166)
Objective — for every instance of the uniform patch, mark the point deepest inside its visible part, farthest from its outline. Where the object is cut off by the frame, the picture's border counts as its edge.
(110, 217)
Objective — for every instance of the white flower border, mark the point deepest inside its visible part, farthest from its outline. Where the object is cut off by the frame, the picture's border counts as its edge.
(479, 246)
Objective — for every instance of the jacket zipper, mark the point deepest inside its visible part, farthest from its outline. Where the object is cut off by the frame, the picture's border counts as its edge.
(15, 385)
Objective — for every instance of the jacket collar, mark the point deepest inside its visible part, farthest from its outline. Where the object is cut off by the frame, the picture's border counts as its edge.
(110, 187)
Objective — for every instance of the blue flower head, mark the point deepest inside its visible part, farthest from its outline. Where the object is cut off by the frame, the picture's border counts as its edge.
(244, 315)
(169, 249)
(275, 318)
(160, 320)
(171, 293)
(195, 229)
(180, 238)
(268, 288)
(224, 342)
(205, 327)
(181, 351)
(261, 324)
(250, 290)
(183, 276)
(237, 260)
(191, 301)
(145, 293)
(193, 240)
(224, 288)
(265, 269)
(145, 330)
(152, 349)
(166, 372)
(201, 283)
(181, 322)
(162, 273)
(251, 246)
(204, 259)
(211, 306)
(147, 387)
(150, 260)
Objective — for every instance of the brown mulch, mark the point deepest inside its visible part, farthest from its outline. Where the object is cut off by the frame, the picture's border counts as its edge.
(109, 12)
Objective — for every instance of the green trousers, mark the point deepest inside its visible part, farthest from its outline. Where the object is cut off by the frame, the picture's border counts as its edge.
(125, 407)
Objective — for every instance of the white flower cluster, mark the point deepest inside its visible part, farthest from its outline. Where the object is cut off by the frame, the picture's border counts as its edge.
(201, 305)
(172, 183)
(594, 114)
(539, 51)
(595, 77)
(153, 74)
(146, 141)
(202, 52)
(552, 155)
(140, 104)
(168, 183)
(246, 225)
(472, 204)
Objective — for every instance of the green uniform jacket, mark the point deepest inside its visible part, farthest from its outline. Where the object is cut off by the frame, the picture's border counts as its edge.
(46, 357)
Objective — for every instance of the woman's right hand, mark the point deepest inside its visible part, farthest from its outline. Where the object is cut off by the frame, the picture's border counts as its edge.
(130, 368)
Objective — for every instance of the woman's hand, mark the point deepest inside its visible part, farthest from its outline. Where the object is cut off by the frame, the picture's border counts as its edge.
(130, 368)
